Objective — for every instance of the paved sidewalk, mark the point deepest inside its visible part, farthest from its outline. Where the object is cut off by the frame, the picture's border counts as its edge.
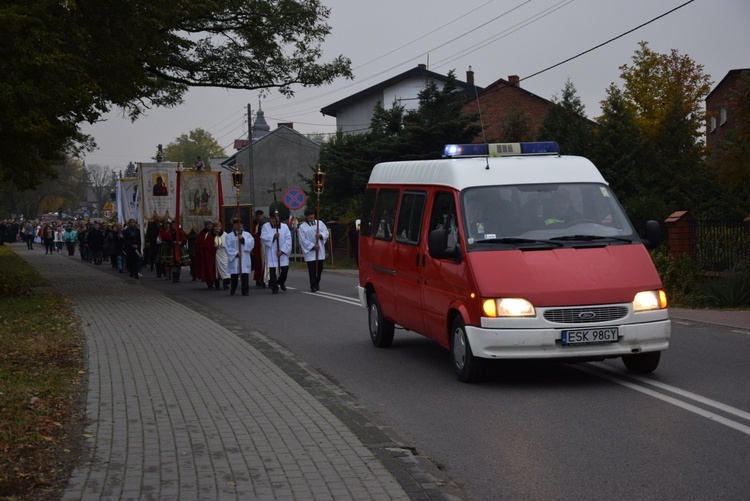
(183, 408)
(739, 319)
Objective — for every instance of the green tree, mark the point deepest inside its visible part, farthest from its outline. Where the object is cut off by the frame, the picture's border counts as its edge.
(665, 93)
(438, 121)
(187, 147)
(130, 171)
(622, 156)
(66, 190)
(65, 63)
(655, 83)
(566, 123)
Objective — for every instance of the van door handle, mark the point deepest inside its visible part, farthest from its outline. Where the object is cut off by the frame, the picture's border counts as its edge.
(417, 261)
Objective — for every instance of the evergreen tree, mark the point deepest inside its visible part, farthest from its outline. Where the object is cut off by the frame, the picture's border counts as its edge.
(566, 123)
(516, 127)
(438, 121)
(622, 156)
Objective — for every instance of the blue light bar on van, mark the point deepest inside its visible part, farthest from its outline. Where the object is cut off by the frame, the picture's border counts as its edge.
(501, 149)
(539, 147)
(465, 150)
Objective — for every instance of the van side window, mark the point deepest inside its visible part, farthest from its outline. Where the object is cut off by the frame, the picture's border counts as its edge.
(444, 216)
(385, 214)
(368, 207)
(410, 217)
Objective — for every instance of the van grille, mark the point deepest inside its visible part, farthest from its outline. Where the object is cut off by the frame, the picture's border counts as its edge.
(586, 315)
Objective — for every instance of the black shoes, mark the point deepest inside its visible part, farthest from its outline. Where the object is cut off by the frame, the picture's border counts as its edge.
(283, 287)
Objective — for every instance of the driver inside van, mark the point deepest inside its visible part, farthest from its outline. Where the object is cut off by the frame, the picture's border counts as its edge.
(480, 219)
(562, 209)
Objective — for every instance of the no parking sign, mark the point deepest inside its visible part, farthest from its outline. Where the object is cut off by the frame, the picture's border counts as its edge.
(294, 198)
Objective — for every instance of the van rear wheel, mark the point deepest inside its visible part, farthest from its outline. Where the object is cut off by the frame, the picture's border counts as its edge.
(466, 365)
(381, 330)
(642, 363)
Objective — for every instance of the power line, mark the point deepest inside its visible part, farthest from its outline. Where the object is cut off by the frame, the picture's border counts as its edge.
(607, 42)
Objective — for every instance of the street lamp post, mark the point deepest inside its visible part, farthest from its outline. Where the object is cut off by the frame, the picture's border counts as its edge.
(318, 187)
(237, 182)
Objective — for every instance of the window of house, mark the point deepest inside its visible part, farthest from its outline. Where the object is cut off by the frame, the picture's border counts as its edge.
(713, 124)
(723, 115)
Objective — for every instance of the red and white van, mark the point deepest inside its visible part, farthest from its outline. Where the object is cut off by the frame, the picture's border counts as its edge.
(509, 251)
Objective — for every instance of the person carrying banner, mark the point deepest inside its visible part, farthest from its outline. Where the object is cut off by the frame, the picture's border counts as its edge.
(278, 241)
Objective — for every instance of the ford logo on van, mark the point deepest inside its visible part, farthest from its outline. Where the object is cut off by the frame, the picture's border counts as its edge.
(586, 315)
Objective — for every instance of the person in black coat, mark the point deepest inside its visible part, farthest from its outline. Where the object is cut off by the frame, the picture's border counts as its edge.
(132, 235)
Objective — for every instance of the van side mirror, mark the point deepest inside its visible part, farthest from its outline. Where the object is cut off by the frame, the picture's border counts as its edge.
(437, 244)
(653, 235)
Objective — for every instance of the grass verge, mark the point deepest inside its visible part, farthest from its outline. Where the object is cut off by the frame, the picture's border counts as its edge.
(41, 382)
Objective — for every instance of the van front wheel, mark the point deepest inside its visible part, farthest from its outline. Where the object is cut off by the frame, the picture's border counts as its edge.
(642, 363)
(381, 330)
(466, 365)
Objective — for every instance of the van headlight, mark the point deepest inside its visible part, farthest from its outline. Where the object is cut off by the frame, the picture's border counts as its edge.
(508, 307)
(650, 300)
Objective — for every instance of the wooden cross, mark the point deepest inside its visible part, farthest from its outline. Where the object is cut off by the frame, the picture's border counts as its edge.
(274, 190)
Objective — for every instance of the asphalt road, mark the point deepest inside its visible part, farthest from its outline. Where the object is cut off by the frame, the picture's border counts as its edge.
(531, 430)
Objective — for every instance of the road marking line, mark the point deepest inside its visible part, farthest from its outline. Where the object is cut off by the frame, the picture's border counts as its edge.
(335, 297)
(683, 393)
(671, 400)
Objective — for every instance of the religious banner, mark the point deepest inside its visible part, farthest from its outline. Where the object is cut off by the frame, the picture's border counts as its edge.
(158, 186)
(128, 199)
(199, 197)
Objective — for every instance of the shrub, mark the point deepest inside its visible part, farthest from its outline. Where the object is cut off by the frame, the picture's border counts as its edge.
(682, 278)
(732, 290)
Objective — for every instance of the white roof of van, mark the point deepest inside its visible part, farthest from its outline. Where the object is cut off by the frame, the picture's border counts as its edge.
(460, 173)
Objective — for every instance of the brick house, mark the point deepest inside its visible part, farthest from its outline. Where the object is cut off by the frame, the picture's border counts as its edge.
(502, 98)
(719, 107)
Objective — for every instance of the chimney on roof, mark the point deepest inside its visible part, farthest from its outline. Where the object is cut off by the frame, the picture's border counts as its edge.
(422, 66)
(514, 80)
(470, 76)
(285, 124)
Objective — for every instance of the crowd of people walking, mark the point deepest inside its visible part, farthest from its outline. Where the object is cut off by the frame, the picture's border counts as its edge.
(222, 260)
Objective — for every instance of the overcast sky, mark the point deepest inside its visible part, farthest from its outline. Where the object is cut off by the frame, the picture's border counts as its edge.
(496, 38)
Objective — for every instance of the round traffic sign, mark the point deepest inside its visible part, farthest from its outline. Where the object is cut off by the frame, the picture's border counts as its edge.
(294, 198)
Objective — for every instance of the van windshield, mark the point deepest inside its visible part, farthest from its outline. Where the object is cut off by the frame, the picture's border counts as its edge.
(570, 214)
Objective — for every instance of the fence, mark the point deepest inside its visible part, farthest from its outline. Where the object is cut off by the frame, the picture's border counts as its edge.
(715, 244)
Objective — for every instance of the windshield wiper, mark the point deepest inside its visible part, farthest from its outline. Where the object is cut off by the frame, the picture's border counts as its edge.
(516, 240)
(590, 238)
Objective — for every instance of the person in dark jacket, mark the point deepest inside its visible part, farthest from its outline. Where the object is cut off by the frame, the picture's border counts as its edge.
(96, 243)
(132, 241)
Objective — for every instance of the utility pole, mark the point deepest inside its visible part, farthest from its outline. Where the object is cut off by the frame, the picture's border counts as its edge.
(250, 165)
